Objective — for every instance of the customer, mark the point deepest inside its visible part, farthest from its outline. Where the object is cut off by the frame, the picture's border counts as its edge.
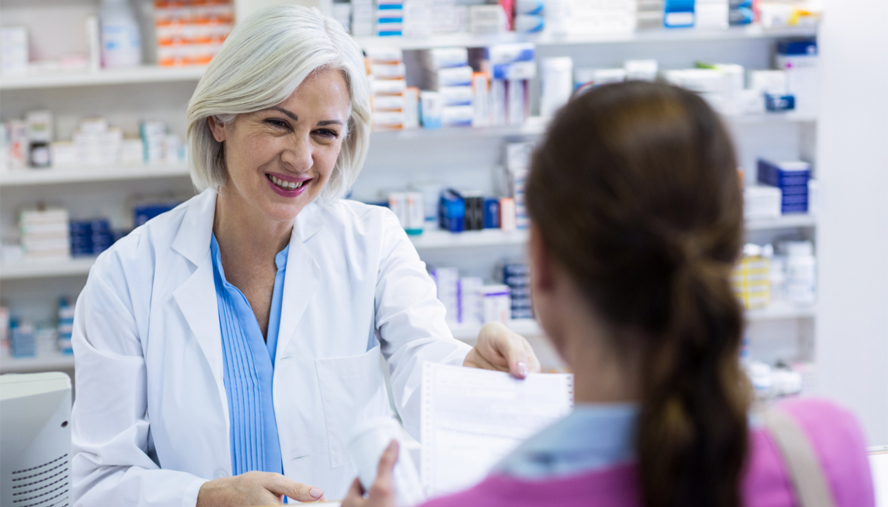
(637, 220)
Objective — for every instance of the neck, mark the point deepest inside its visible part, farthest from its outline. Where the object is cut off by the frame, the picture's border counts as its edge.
(245, 232)
(601, 375)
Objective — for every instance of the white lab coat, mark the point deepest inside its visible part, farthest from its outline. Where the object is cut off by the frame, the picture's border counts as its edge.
(150, 422)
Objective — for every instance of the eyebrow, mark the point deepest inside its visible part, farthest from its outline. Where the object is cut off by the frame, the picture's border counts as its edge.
(296, 118)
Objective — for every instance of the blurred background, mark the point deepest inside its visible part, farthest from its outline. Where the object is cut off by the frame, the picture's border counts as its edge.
(93, 96)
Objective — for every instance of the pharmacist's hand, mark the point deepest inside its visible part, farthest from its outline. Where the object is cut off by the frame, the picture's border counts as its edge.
(254, 488)
(499, 348)
(382, 492)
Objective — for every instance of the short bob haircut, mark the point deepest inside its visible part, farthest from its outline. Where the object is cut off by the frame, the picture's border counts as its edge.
(260, 65)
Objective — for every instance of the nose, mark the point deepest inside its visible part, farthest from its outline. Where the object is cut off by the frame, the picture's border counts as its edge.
(298, 155)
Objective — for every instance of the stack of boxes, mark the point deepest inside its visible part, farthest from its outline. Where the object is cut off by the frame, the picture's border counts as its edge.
(191, 32)
(649, 14)
(362, 14)
(66, 326)
(21, 339)
(90, 237)
(751, 277)
(389, 16)
(588, 17)
(159, 146)
(471, 308)
(712, 14)
(517, 277)
(510, 67)
(13, 50)
(740, 12)
(447, 97)
(517, 166)
(447, 282)
(791, 178)
(44, 233)
(94, 143)
(417, 18)
(395, 106)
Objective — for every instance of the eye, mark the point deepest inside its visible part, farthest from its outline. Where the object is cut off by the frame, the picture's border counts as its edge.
(327, 133)
(276, 123)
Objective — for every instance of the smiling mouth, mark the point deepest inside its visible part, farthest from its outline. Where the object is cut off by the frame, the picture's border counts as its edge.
(285, 185)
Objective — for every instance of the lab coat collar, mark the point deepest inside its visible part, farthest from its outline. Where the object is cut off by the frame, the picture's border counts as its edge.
(192, 241)
(302, 276)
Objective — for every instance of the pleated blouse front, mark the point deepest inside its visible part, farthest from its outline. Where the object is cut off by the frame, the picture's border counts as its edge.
(248, 361)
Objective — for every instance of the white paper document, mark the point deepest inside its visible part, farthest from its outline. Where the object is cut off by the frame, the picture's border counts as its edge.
(472, 418)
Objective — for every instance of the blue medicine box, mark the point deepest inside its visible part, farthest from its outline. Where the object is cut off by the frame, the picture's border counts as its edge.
(679, 14)
(784, 174)
(491, 213)
(452, 211)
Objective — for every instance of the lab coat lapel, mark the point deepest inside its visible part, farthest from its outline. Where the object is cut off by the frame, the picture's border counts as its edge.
(302, 276)
(196, 296)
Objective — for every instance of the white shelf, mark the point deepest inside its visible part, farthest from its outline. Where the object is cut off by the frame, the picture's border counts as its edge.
(429, 240)
(487, 237)
(156, 74)
(782, 311)
(35, 364)
(46, 268)
(648, 36)
(782, 222)
(51, 176)
(63, 79)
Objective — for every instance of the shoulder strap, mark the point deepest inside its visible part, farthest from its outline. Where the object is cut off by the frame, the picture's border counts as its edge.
(808, 479)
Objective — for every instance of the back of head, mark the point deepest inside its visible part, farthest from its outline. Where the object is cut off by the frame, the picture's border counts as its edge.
(636, 196)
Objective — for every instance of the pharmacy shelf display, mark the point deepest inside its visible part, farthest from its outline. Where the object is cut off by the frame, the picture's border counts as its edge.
(155, 74)
(430, 240)
(462, 332)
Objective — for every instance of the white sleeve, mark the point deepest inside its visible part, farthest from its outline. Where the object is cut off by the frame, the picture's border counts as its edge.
(111, 448)
(410, 322)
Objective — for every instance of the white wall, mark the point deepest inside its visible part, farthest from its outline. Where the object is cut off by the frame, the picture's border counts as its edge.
(852, 161)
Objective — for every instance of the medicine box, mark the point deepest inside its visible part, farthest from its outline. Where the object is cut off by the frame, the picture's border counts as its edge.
(791, 178)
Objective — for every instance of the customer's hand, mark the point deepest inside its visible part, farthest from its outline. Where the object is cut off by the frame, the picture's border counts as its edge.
(254, 488)
(499, 348)
(382, 492)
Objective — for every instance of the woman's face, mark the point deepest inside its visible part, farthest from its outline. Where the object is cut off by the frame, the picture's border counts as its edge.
(279, 159)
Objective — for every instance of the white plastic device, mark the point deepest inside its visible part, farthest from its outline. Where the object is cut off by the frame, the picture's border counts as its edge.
(369, 440)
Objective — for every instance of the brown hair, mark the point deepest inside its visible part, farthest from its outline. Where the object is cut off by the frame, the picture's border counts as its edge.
(636, 195)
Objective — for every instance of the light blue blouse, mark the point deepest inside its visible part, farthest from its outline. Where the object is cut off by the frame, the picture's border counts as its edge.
(248, 361)
(592, 437)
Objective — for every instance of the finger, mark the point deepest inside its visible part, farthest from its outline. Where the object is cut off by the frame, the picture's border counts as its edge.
(533, 363)
(280, 485)
(511, 346)
(384, 487)
(476, 360)
(355, 495)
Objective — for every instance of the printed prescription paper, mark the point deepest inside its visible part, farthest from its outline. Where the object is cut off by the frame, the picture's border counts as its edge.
(472, 418)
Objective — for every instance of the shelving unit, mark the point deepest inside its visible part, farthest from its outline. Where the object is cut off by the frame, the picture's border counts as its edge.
(400, 157)
(429, 240)
(641, 36)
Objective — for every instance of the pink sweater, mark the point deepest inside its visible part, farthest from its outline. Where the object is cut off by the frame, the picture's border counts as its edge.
(834, 433)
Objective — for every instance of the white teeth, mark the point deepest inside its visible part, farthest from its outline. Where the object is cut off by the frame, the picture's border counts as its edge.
(288, 185)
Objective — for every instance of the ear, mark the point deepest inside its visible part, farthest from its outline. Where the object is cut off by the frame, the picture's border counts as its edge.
(541, 268)
(217, 128)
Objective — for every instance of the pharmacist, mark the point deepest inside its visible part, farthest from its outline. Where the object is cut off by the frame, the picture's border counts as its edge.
(243, 330)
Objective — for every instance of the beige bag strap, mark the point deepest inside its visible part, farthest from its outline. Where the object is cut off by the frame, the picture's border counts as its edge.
(811, 487)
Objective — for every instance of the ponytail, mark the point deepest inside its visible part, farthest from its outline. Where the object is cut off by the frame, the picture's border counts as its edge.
(691, 434)
(635, 194)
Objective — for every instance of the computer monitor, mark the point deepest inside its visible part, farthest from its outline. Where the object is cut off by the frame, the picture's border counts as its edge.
(35, 440)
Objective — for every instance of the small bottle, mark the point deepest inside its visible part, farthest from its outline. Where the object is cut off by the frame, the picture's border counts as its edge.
(121, 44)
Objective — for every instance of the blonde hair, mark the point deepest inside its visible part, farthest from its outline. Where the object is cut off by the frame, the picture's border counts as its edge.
(260, 65)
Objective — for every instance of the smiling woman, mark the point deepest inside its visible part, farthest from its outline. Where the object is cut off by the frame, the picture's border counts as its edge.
(225, 350)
